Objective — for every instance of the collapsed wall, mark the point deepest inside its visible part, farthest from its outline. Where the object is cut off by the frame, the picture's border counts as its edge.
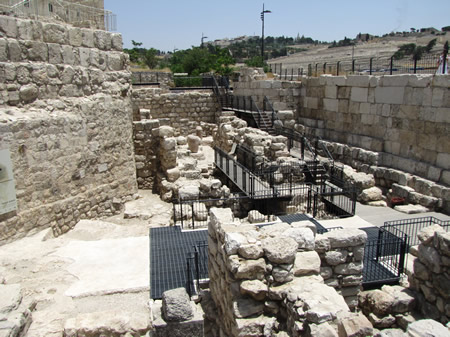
(66, 121)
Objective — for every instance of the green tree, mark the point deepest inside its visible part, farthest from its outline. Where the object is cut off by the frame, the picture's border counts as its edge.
(150, 59)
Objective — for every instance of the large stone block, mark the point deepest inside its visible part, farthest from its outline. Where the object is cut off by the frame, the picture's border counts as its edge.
(359, 94)
(8, 26)
(389, 95)
(54, 33)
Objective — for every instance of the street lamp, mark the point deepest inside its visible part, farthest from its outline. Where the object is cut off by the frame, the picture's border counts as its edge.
(262, 42)
(203, 37)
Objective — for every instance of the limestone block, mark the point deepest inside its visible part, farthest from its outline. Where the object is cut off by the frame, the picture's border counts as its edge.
(116, 41)
(193, 143)
(302, 235)
(28, 93)
(404, 299)
(251, 269)
(280, 250)
(115, 61)
(102, 40)
(426, 327)
(255, 217)
(246, 307)
(251, 251)
(255, 288)
(8, 26)
(176, 305)
(345, 238)
(233, 241)
(189, 192)
(54, 33)
(306, 263)
(371, 194)
(322, 330)
(389, 95)
(336, 257)
(359, 94)
(331, 104)
(88, 37)
(358, 81)
(221, 215)
(173, 174)
(3, 50)
(68, 55)
(15, 52)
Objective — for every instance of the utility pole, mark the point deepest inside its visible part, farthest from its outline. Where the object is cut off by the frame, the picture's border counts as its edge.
(262, 41)
(203, 37)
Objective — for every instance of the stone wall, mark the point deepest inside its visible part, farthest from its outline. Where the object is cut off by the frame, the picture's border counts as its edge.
(342, 255)
(403, 117)
(431, 273)
(284, 95)
(65, 116)
(266, 282)
(183, 110)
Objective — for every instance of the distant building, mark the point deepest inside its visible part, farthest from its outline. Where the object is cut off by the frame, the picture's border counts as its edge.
(82, 13)
(226, 42)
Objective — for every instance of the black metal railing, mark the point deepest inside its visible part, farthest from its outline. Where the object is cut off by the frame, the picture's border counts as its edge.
(428, 64)
(411, 227)
(384, 259)
(197, 268)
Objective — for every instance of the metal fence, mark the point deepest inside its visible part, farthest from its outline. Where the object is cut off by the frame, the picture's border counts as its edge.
(428, 64)
(411, 227)
(384, 259)
(197, 268)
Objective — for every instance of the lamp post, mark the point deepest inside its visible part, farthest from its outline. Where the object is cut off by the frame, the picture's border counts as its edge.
(262, 42)
(203, 37)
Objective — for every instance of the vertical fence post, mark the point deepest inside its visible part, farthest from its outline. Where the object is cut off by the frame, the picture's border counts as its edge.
(353, 66)
(188, 274)
(444, 61)
(193, 217)
(337, 67)
(415, 65)
(285, 73)
(324, 67)
(316, 69)
(370, 66)
(292, 74)
(391, 65)
(197, 268)
(315, 205)
(181, 211)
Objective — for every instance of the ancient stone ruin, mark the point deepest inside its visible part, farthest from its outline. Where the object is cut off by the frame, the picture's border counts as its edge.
(77, 141)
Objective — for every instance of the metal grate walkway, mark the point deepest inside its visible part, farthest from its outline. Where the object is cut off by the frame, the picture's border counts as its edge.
(169, 247)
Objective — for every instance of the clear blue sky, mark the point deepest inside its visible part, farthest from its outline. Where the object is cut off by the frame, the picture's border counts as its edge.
(169, 24)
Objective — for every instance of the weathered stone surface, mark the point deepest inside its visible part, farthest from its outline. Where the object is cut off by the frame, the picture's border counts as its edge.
(193, 143)
(381, 322)
(176, 305)
(109, 323)
(354, 325)
(246, 307)
(426, 235)
(282, 275)
(371, 194)
(426, 328)
(390, 333)
(255, 288)
(28, 93)
(10, 297)
(255, 217)
(346, 238)
(303, 236)
(377, 301)
(322, 330)
(280, 250)
(189, 192)
(306, 263)
(336, 257)
(251, 269)
(233, 241)
(430, 257)
(404, 299)
(251, 251)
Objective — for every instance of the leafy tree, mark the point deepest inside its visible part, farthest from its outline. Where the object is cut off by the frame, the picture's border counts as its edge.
(414, 50)
(150, 59)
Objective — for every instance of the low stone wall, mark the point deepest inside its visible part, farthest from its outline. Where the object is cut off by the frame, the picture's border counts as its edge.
(185, 111)
(431, 274)
(65, 117)
(266, 280)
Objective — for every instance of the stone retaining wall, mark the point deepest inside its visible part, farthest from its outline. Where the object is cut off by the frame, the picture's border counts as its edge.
(65, 116)
(184, 111)
(404, 117)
